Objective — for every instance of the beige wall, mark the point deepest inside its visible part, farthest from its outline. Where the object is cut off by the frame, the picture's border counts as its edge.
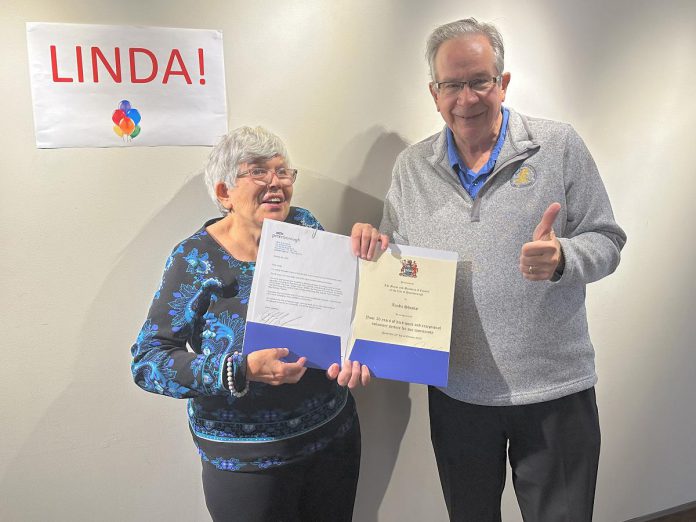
(85, 234)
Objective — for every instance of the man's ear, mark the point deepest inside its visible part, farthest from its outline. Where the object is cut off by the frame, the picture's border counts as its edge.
(433, 93)
(504, 84)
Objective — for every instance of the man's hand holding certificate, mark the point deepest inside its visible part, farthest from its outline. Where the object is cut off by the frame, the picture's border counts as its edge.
(313, 296)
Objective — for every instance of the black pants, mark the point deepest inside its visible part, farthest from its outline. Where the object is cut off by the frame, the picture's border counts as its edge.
(318, 488)
(553, 448)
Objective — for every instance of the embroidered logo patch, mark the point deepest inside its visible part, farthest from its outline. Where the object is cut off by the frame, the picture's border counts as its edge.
(524, 177)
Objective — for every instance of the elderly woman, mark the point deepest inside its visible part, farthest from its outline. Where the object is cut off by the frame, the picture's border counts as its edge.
(277, 441)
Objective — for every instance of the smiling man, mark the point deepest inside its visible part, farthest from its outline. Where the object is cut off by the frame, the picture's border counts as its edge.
(522, 202)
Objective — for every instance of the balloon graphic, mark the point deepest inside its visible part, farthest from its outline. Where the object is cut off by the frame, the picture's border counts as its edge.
(126, 125)
(126, 119)
(117, 116)
(134, 115)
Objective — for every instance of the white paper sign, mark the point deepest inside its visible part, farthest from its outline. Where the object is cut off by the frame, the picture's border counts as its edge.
(116, 86)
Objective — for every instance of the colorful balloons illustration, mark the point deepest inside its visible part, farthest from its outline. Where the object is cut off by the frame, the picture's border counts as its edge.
(134, 115)
(117, 116)
(126, 125)
(127, 121)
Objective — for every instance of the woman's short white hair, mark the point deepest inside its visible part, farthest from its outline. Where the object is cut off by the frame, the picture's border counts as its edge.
(242, 145)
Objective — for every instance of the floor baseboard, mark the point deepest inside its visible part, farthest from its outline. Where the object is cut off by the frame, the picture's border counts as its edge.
(683, 513)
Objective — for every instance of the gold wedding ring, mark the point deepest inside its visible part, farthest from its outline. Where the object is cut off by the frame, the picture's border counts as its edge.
(531, 269)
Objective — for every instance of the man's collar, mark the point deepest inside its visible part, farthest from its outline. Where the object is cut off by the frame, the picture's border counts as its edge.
(453, 157)
(452, 154)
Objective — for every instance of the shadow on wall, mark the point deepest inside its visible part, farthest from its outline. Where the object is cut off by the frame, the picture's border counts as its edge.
(373, 175)
(105, 450)
(365, 163)
(384, 407)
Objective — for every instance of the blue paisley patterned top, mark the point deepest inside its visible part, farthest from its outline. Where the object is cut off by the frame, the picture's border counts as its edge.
(202, 303)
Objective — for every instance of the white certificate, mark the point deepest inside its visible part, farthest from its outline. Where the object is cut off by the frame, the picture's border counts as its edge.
(310, 294)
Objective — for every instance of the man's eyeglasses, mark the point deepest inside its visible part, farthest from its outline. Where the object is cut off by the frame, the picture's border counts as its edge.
(262, 176)
(478, 85)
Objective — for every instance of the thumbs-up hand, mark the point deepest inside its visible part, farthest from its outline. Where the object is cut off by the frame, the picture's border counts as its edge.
(540, 257)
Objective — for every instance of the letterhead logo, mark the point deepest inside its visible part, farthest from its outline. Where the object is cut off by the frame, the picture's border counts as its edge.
(280, 235)
(409, 268)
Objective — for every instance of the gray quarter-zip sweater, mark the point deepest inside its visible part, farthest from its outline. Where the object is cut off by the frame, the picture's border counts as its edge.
(513, 341)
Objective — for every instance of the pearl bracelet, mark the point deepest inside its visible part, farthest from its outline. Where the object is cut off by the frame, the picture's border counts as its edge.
(236, 374)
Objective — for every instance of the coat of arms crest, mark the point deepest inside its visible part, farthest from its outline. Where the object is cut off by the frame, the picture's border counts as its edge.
(409, 268)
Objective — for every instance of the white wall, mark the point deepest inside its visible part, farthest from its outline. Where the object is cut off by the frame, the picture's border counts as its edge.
(85, 234)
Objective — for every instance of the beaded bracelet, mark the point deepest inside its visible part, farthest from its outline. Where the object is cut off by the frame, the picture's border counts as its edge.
(236, 374)
(239, 361)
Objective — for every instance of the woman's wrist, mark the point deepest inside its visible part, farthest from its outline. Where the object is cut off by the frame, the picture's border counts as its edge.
(237, 381)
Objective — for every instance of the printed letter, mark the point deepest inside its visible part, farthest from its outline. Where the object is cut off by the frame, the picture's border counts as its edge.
(115, 74)
(153, 64)
(182, 72)
(54, 67)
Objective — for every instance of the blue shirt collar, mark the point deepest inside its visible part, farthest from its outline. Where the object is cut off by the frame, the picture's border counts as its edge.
(456, 162)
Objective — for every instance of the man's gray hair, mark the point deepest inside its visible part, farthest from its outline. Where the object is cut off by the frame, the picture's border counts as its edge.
(459, 28)
(242, 145)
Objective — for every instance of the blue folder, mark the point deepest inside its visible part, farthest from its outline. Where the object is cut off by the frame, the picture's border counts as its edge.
(385, 360)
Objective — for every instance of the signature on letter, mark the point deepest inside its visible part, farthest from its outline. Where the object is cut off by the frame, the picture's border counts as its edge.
(278, 318)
